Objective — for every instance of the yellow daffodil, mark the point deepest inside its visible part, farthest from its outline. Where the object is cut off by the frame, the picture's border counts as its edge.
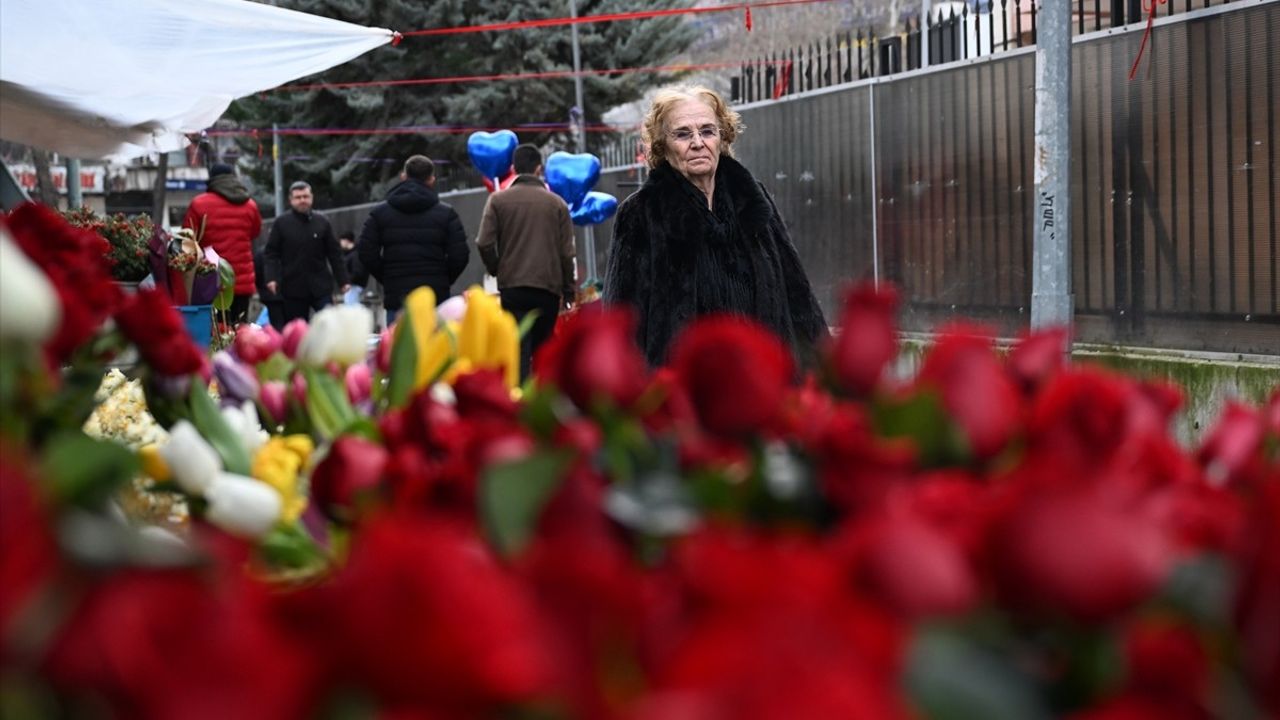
(278, 464)
(153, 463)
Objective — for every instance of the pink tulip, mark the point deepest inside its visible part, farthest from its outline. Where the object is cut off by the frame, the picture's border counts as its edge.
(274, 400)
(299, 389)
(383, 355)
(294, 331)
(359, 380)
(254, 344)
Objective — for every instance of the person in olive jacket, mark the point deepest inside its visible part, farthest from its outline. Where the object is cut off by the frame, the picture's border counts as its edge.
(412, 240)
(300, 243)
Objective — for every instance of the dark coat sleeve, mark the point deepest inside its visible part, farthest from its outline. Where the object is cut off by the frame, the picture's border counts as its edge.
(456, 246)
(628, 264)
(369, 247)
(334, 251)
(272, 252)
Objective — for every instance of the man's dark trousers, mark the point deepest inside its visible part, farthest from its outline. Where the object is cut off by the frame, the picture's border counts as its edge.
(520, 301)
(302, 307)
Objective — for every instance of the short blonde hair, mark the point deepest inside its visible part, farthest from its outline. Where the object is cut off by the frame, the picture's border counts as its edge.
(654, 131)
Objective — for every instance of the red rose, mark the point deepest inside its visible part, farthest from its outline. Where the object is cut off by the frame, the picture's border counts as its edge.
(1167, 661)
(155, 327)
(30, 554)
(735, 372)
(483, 395)
(348, 476)
(1234, 444)
(1037, 356)
(75, 261)
(867, 340)
(423, 616)
(160, 644)
(1078, 554)
(975, 389)
(593, 358)
(915, 569)
(1258, 595)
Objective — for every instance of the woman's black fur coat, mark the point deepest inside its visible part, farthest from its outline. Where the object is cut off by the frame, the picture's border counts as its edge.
(672, 259)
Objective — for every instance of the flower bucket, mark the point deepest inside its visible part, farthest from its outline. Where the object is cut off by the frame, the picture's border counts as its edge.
(199, 322)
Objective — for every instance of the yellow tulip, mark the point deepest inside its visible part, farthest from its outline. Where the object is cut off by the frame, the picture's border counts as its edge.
(278, 464)
(473, 337)
(420, 309)
(153, 463)
(489, 337)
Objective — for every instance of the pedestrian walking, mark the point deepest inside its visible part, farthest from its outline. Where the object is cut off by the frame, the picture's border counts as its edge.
(301, 242)
(230, 222)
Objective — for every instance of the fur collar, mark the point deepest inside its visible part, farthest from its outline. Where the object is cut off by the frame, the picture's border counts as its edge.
(752, 206)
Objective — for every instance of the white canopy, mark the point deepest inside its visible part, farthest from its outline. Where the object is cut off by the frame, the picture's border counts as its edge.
(122, 78)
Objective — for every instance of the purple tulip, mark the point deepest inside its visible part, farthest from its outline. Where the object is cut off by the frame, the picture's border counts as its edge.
(294, 331)
(274, 400)
(235, 379)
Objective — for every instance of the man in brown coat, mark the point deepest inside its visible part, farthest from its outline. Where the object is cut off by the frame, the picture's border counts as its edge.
(526, 242)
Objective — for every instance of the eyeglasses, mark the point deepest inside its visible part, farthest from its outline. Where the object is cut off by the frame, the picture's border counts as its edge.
(706, 132)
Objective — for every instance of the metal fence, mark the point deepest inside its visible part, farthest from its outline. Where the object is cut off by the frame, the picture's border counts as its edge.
(925, 179)
(956, 30)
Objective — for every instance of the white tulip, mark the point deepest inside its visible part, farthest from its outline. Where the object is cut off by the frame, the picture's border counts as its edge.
(339, 333)
(245, 424)
(242, 506)
(29, 306)
(192, 460)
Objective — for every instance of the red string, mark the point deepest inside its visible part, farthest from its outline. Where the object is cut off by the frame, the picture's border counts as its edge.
(1150, 7)
(551, 127)
(544, 75)
(611, 17)
(784, 81)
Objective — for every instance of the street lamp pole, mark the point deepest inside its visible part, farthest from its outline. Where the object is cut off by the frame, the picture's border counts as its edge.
(579, 133)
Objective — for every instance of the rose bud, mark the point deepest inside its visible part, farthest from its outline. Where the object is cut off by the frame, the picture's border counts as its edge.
(917, 570)
(352, 469)
(868, 340)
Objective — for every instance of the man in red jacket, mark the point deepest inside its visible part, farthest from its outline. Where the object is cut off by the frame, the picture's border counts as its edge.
(231, 223)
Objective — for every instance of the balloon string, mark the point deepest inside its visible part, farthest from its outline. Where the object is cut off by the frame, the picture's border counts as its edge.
(1150, 7)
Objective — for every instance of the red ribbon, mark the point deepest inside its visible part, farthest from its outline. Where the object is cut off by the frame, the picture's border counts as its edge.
(1150, 7)
(396, 38)
(641, 15)
(748, 19)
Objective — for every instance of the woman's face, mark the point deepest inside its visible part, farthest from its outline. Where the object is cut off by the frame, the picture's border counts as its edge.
(693, 139)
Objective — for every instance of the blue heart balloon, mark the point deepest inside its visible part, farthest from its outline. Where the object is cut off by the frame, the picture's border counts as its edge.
(572, 176)
(596, 207)
(491, 153)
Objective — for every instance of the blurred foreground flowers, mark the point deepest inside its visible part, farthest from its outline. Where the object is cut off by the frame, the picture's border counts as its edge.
(395, 529)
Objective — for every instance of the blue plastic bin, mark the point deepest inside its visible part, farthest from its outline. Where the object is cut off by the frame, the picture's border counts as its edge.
(199, 322)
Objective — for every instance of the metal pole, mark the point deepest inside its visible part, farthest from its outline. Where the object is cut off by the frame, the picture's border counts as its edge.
(75, 196)
(579, 133)
(1051, 298)
(875, 196)
(926, 8)
(278, 161)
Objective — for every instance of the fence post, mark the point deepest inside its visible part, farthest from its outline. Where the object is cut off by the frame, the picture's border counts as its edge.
(1051, 299)
(875, 195)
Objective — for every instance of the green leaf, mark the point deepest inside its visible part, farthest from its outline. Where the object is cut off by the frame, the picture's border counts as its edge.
(227, 285)
(290, 547)
(513, 494)
(276, 367)
(208, 420)
(404, 363)
(86, 471)
(921, 418)
(949, 677)
(363, 427)
(526, 322)
(327, 403)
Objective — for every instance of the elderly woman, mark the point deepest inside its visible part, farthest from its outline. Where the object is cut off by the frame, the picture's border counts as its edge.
(702, 236)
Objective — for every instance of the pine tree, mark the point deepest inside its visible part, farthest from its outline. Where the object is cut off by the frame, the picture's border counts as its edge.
(358, 168)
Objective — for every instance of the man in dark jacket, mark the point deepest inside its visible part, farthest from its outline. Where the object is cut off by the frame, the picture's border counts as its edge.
(300, 243)
(412, 239)
(230, 221)
(526, 241)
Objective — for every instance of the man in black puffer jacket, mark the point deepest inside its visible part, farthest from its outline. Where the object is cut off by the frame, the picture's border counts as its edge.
(412, 239)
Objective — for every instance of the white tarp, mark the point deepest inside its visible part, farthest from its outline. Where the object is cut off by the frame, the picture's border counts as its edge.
(122, 78)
